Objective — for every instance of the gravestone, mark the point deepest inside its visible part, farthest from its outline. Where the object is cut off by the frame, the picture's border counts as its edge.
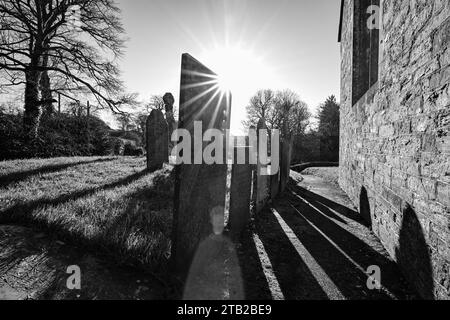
(275, 176)
(253, 150)
(157, 141)
(274, 164)
(241, 188)
(274, 185)
(169, 101)
(200, 189)
(262, 178)
(285, 162)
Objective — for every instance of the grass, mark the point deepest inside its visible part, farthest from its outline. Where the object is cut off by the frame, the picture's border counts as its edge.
(108, 204)
(328, 174)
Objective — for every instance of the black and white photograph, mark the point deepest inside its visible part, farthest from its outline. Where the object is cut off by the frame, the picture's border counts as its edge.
(224, 156)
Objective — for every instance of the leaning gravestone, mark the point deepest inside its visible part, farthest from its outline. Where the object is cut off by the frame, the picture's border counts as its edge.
(262, 177)
(200, 189)
(157, 141)
(241, 188)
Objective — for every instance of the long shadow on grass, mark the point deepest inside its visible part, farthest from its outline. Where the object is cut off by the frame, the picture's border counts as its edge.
(148, 216)
(112, 243)
(19, 176)
(20, 212)
(44, 275)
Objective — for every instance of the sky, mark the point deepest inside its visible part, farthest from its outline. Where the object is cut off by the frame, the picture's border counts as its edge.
(257, 44)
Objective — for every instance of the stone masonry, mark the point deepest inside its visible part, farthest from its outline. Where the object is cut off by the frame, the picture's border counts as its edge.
(395, 142)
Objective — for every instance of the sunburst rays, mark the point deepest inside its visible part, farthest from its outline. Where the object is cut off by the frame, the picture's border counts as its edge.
(208, 95)
(229, 50)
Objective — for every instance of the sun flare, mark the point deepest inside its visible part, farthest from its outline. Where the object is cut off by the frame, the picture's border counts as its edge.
(237, 69)
(240, 71)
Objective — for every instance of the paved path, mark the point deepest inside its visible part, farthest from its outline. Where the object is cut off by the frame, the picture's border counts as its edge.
(312, 244)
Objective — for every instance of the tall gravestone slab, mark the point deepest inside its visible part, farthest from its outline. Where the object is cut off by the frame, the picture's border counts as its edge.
(199, 188)
(262, 178)
(283, 165)
(241, 188)
(157, 141)
(285, 162)
(274, 164)
(253, 149)
(274, 185)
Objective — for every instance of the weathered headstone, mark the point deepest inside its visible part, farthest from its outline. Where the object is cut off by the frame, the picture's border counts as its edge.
(285, 162)
(274, 185)
(199, 188)
(283, 176)
(262, 178)
(169, 101)
(253, 150)
(157, 141)
(241, 188)
(274, 164)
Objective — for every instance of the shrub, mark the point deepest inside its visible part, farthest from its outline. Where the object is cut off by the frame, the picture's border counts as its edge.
(132, 150)
(119, 146)
(11, 133)
(59, 136)
(139, 152)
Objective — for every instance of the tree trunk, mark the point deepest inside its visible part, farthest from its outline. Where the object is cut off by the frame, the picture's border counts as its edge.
(46, 92)
(33, 112)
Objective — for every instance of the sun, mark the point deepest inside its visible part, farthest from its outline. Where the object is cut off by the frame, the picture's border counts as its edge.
(242, 73)
(238, 69)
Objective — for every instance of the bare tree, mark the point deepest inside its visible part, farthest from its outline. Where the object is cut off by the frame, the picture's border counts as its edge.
(140, 121)
(124, 120)
(76, 108)
(262, 105)
(156, 103)
(282, 110)
(291, 113)
(38, 42)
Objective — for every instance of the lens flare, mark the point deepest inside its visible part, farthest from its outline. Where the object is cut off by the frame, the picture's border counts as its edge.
(238, 69)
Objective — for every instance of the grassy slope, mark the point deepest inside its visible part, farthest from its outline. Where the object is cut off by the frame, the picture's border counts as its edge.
(328, 174)
(111, 204)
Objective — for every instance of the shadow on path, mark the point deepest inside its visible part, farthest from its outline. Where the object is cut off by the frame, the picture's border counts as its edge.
(254, 281)
(344, 253)
(315, 250)
(327, 204)
(295, 278)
